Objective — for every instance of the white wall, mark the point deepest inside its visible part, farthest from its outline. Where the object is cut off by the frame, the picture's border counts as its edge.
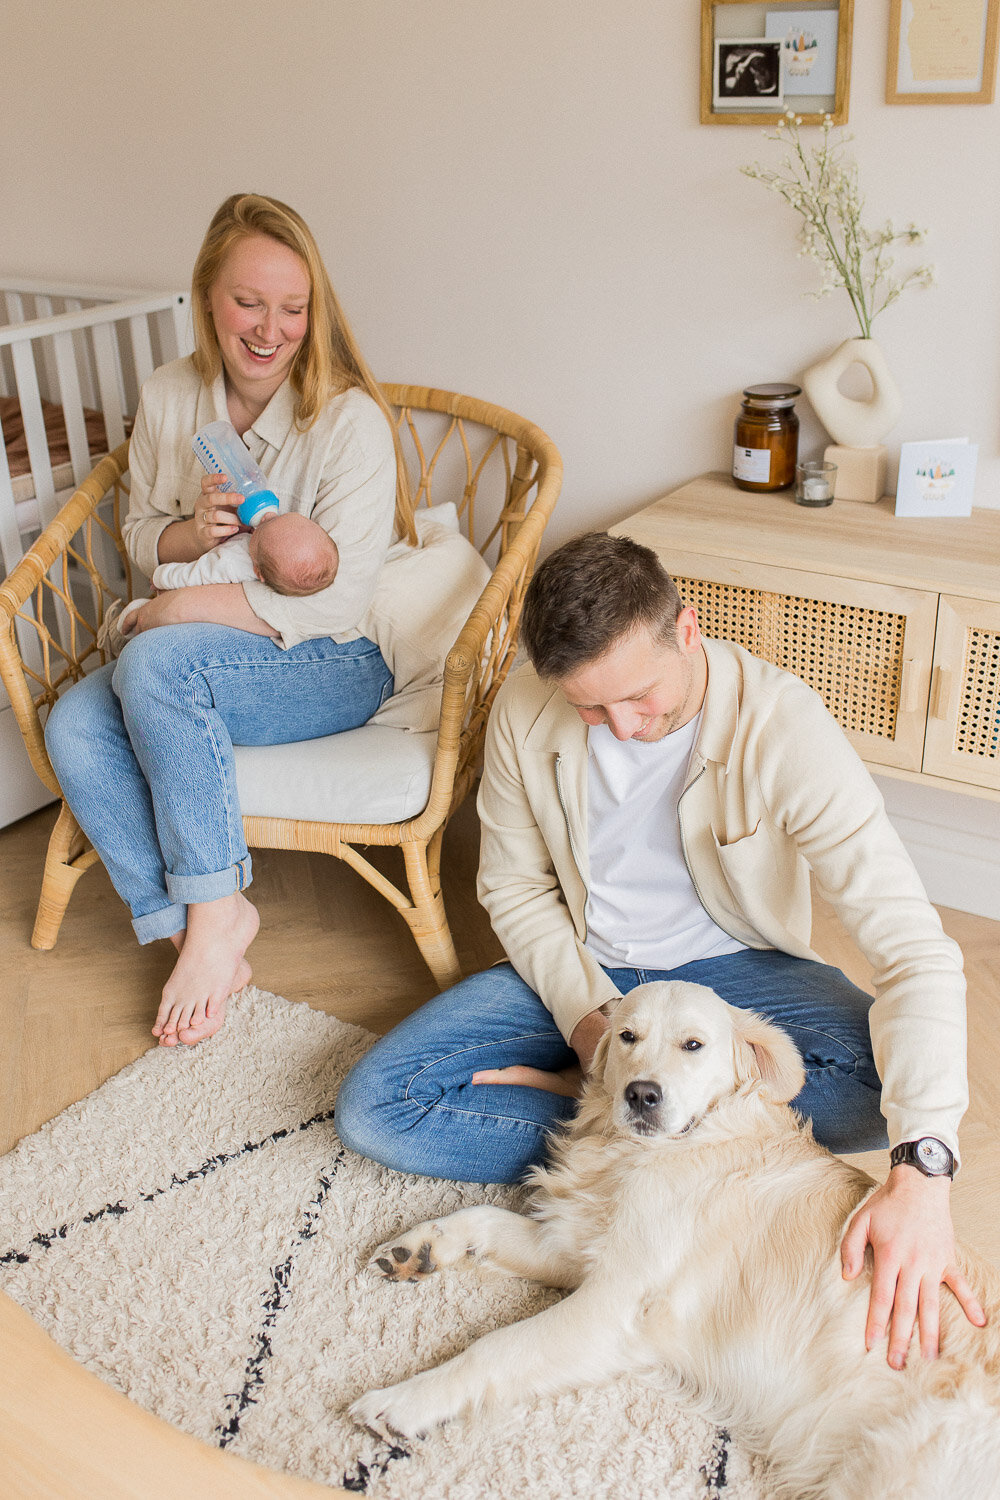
(515, 199)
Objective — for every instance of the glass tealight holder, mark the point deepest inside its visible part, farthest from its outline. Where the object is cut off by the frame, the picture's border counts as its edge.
(814, 482)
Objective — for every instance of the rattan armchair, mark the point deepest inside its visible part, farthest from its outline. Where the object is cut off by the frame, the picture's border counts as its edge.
(504, 476)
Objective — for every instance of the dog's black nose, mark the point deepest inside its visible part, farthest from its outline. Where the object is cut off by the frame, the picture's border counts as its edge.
(642, 1095)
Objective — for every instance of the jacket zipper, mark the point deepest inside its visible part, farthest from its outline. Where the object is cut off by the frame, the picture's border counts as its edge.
(569, 827)
(684, 849)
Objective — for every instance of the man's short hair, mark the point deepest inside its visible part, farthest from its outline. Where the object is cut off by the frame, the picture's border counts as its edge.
(591, 593)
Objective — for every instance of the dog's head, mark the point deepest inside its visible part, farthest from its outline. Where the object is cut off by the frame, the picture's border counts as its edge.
(674, 1050)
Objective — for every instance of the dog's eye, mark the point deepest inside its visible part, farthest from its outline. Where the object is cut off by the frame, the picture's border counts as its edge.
(628, 1037)
(692, 1044)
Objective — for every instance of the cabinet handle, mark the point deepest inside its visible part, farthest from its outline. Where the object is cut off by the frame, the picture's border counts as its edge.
(940, 692)
(908, 687)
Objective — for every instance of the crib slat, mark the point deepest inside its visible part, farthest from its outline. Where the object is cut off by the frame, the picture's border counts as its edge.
(105, 555)
(84, 361)
(47, 383)
(72, 405)
(34, 430)
(183, 336)
(109, 383)
(14, 303)
(142, 349)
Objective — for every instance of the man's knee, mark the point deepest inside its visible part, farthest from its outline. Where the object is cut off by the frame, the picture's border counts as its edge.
(364, 1114)
(350, 1114)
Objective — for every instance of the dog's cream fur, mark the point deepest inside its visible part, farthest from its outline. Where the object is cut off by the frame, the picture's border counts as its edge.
(701, 1231)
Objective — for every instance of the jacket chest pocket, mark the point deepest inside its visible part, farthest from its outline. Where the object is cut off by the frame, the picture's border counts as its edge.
(736, 840)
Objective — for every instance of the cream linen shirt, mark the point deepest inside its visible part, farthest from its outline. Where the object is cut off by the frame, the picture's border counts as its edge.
(773, 790)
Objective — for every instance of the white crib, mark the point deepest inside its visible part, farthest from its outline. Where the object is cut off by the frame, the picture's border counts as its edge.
(72, 360)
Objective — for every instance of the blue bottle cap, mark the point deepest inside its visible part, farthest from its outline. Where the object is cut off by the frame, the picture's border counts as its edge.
(256, 507)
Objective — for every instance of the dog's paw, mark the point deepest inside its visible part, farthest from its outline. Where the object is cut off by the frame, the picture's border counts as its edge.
(371, 1411)
(399, 1412)
(410, 1257)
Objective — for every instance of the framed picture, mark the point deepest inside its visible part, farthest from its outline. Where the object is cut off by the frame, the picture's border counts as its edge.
(814, 40)
(747, 74)
(808, 49)
(936, 479)
(942, 51)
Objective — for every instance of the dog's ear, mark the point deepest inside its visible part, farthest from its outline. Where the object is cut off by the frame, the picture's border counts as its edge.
(596, 1069)
(592, 1116)
(766, 1052)
(607, 1010)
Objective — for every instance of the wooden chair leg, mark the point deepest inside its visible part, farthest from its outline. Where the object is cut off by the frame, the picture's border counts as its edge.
(427, 919)
(65, 861)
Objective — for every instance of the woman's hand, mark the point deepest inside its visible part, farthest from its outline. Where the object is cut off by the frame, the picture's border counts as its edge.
(202, 604)
(213, 520)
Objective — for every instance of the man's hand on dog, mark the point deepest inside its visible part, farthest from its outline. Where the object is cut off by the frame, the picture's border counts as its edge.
(907, 1222)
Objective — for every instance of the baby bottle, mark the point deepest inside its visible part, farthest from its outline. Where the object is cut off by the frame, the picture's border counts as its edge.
(222, 451)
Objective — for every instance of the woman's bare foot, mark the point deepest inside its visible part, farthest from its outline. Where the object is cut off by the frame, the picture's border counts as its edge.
(210, 966)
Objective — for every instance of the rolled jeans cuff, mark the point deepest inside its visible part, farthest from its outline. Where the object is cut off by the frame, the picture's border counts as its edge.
(160, 924)
(212, 887)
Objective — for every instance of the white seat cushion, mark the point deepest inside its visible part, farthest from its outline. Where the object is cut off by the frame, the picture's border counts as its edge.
(375, 774)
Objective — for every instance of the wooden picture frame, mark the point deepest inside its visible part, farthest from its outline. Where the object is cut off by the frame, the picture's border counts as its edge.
(745, 20)
(953, 65)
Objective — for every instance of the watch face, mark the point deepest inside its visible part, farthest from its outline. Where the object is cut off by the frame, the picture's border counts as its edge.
(935, 1156)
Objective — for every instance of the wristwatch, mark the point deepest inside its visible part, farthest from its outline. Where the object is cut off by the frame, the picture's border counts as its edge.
(928, 1155)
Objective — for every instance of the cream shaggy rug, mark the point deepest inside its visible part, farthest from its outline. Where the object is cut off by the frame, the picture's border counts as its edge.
(195, 1234)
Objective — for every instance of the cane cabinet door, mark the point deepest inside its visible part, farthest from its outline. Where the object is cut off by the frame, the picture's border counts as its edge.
(865, 648)
(963, 721)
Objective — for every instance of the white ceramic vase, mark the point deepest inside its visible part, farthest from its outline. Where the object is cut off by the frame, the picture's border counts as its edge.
(854, 423)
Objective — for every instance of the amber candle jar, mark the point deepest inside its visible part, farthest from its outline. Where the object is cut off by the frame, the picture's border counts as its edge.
(766, 438)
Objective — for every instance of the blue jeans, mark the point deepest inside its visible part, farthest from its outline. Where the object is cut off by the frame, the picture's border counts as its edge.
(409, 1102)
(143, 749)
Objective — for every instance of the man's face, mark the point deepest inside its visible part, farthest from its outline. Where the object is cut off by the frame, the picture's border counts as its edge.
(640, 688)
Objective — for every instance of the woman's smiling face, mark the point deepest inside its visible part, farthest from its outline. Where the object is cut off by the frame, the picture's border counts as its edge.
(260, 307)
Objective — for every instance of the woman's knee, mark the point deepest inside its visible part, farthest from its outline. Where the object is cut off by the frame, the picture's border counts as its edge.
(77, 724)
(147, 660)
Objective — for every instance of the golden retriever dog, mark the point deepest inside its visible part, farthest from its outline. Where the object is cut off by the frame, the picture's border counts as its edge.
(698, 1225)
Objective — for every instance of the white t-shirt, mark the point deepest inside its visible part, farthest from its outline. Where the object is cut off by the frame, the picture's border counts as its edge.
(642, 908)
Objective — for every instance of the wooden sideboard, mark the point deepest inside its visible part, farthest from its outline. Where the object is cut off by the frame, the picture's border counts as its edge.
(894, 622)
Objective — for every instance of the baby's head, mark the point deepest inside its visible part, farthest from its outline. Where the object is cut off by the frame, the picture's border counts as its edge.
(293, 555)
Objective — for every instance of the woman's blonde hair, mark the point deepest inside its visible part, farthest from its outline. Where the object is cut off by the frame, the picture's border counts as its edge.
(329, 360)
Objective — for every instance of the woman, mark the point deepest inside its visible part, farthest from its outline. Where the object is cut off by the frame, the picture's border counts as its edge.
(143, 748)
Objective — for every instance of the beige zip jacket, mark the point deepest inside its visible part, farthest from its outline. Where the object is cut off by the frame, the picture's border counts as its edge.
(773, 790)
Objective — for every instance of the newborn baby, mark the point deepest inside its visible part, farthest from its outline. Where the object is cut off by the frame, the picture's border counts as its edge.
(290, 553)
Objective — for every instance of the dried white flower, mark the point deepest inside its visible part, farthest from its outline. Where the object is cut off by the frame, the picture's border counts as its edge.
(822, 187)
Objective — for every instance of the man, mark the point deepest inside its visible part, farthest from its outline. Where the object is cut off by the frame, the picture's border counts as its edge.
(651, 805)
